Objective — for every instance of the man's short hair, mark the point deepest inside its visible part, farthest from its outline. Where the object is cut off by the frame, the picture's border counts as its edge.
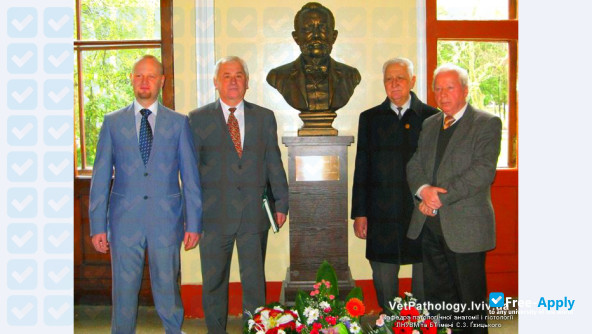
(399, 60)
(314, 6)
(227, 60)
(463, 75)
(144, 57)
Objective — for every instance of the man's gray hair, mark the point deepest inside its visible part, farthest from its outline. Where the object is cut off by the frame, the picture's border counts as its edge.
(463, 75)
(227, 60)
(399, 60)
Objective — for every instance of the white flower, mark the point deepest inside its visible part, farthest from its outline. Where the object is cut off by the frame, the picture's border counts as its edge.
(425, 312)
(354, 328)
(251, 323)
(415, 331)
(398, 300)
(344, 319)
(448, 330)
(307, 311)
(278, 308)
(281, 331)
(324, 305)
(259, 309)
(408, 294)
(312, 316)
(284, 319)
(261, 332)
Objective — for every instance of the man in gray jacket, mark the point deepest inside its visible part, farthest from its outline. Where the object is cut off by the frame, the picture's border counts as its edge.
(451, 173)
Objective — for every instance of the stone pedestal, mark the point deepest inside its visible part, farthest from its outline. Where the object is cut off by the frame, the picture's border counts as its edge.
(317, 174)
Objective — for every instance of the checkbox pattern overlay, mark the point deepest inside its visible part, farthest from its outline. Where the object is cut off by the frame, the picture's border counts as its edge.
(36, 164)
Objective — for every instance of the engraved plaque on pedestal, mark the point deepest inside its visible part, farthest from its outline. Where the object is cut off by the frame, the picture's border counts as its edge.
(317, 174)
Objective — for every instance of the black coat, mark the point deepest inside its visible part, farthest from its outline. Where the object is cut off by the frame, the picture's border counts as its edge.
(380, 190)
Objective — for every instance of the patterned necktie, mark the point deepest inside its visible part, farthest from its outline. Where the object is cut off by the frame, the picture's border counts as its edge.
(234, 132)
(399, 113)
(448, 121)
(145, 135)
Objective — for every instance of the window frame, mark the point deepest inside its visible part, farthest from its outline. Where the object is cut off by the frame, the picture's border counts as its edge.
(478, 31)
(165, 43)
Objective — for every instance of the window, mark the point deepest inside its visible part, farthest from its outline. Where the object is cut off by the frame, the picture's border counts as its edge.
(482, 37)
(110, 36)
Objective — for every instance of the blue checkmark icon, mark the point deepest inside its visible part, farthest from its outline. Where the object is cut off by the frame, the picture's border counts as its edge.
(496, 299)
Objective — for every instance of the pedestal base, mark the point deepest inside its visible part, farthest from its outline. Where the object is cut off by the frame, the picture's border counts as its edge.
(317, 173)
(317, 123)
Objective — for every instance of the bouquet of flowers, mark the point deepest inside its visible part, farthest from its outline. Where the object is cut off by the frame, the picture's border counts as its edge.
(272, 319)
(321, 311)
(406, 319)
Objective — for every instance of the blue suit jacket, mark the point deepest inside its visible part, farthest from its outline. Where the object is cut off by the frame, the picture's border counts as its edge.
(148, 199)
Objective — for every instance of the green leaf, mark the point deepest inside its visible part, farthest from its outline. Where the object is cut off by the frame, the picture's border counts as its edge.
(327, 273)
(299, 305)
(356, 292)
(341, 329)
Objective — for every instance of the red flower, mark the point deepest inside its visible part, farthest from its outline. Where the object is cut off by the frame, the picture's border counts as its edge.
(299, 328)
(314, 331)
(429, 327)
(355, 307)
(402, 327)
(331, 320)
(317, 326)
(410, 313)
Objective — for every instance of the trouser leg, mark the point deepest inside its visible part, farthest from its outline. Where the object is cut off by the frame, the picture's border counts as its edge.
(386, 283)
(216, 254)
(251, 257)
(164, 273)
(127, 263)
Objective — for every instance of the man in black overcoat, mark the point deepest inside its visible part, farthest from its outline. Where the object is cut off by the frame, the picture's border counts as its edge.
(382, 203)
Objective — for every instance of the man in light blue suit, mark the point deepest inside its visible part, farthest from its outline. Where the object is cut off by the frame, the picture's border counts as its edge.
(146, 208)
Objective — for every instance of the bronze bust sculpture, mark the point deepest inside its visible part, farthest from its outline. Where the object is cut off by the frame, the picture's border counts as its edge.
(315, 83)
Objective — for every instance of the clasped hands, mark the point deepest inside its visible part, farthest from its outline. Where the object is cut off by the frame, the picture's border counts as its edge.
(430, 200)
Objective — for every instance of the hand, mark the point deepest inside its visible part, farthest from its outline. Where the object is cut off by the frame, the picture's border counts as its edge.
(280, 218)
(361, 227)
(100, 243)
(429, 195)
(191, 240)
(426, 210)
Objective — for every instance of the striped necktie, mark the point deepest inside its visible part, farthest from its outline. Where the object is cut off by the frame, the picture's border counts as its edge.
(448, 121)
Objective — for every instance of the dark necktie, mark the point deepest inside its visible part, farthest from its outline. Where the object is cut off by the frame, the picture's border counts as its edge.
(234, 132)
(399, 112)
(448, 121)
(145, 136)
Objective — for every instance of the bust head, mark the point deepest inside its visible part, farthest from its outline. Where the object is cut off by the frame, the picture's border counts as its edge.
(314, 30)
